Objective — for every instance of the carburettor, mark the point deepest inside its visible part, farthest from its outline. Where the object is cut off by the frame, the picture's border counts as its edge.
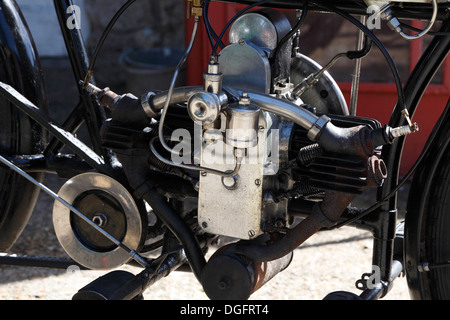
(240, 137)
(237, 138)
(233, 205)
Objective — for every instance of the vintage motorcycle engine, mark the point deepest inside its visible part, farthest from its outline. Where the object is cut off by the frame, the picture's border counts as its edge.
(243, 205)
(222, 165)
(239, 151)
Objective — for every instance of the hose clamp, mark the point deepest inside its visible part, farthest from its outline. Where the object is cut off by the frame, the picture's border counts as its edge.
(317, 126)
(147, 106)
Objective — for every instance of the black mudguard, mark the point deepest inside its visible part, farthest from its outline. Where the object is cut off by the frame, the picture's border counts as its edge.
(417, 200)
(20, 67)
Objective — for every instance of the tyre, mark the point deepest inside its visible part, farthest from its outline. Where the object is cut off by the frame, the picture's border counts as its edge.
(17, 196)
(427, 222)
(437, 235)
(20, 68)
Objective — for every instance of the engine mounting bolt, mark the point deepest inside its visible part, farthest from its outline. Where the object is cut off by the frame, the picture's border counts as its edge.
(251, 233)
(258, 182)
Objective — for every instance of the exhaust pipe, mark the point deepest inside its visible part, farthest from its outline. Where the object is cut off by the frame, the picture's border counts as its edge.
(228, 276)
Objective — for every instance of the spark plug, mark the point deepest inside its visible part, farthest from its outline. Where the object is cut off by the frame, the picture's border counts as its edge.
(387, 134)
(403, 131)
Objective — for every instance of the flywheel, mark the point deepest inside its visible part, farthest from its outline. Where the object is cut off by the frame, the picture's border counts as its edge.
(109, 205)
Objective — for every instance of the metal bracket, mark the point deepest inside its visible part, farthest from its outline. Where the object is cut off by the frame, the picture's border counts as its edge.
(78, 147)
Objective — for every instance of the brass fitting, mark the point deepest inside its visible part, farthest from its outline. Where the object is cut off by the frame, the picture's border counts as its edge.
(194, 8)
(413, 126)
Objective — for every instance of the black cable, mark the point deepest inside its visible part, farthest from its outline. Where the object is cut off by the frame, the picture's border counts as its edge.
(377, 42)
(207, 22)
(103, 38)
(431, 33)
(363, 52)
(214, 53)
(209, 26)
(294, 29)
(209, 29)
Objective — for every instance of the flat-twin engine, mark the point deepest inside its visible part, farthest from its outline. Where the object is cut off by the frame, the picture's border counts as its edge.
(261, 157)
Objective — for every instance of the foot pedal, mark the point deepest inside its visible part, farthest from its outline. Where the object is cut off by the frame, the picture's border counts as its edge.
(116, 285)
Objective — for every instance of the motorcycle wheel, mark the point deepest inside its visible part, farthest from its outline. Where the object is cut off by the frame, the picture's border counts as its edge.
(427, 240)
(437, 236)
(19, 67)
(17, 196)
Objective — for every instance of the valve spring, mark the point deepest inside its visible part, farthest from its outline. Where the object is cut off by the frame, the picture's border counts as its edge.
(301, 188)
(307, 154)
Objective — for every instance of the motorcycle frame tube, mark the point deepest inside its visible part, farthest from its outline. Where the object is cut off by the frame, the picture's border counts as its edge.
(436, 51)
(24, 105)
(88, 109)
(412, 11)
